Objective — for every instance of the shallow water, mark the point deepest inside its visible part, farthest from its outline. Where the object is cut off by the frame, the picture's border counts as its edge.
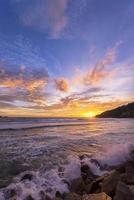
(42, 145)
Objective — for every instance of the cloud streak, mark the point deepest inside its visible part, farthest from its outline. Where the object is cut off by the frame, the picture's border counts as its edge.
(100, 71)
(45, 15)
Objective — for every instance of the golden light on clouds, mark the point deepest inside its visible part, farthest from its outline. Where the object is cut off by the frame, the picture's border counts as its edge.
(33, 92)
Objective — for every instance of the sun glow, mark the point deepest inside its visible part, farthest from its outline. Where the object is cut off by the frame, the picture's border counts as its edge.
(89, 114)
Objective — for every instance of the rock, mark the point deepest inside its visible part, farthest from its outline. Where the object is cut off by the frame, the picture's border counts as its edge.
(88, 187)
(96, 162)
(85, 168)
(124, 192)
(127, 178)
(4, 182)
(124, 178)
(99, 196)
(96, 184)
(77, 186)
(110, 182)
(132, 155)
(72, 196)
(14, 198)
(130, 167)
(9, 193)
(86, 172)
(27, 177)
(130, 173)
(29, 197)
(44, 196)
(83, 156)
(131, 187)
(47, 197)
(58, 194)
(66, 182)
(121, 168)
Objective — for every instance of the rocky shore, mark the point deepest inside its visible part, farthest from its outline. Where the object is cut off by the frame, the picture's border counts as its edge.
(116, 184)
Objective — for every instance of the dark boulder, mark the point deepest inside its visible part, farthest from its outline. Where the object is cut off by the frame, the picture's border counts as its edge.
(77, 186)
(110, 182)
(29, 197)
(86, 172)
(27, 177)
(9, 193)
(124, 192)
(72, 196)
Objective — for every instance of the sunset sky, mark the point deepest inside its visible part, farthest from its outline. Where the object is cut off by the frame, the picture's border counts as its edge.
(65, 57)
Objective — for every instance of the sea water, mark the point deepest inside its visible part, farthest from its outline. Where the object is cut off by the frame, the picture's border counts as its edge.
(50, 150)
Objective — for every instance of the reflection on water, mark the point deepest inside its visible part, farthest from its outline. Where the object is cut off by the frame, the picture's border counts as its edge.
(85, 136)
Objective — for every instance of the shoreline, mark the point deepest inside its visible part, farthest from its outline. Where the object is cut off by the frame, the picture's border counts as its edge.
(116, 183)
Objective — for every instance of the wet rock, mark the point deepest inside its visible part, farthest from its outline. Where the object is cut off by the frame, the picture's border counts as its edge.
(96, 184)
(96, 162)
(130, 167)
(27, 177)
(124, 177)
(110, 182)
(121, 168)
(127, 178)
(66, 182)
(14, 198)
(77, 186)
(72, 196)
(83, 156)
(9, 193)
(61, 171)
(124, 192)
(88, 188)
(130, 173)
(131, 187)
(47, 197)
(29, 197)
(44, 196)
(132, 155)
(4, 182)
(58, 194)
(99, 196)
(86, 172)
(85, 169)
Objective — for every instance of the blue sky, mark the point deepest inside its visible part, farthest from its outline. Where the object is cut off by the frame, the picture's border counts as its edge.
(65, 57)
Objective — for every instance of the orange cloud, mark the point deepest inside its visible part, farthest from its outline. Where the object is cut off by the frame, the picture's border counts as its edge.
(25, 85)
(62, 85)
(100, 71)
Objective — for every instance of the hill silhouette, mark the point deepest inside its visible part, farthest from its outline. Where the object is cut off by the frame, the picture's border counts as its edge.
(125, 111)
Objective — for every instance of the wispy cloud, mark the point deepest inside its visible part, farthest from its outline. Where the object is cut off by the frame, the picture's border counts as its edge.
(45, 15)
(100, 71)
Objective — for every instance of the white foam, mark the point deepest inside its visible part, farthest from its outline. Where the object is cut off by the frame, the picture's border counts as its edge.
(115, 154)
(53, 180)
(72, 169)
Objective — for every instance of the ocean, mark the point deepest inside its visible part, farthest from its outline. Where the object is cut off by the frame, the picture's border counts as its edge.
(51, 149)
